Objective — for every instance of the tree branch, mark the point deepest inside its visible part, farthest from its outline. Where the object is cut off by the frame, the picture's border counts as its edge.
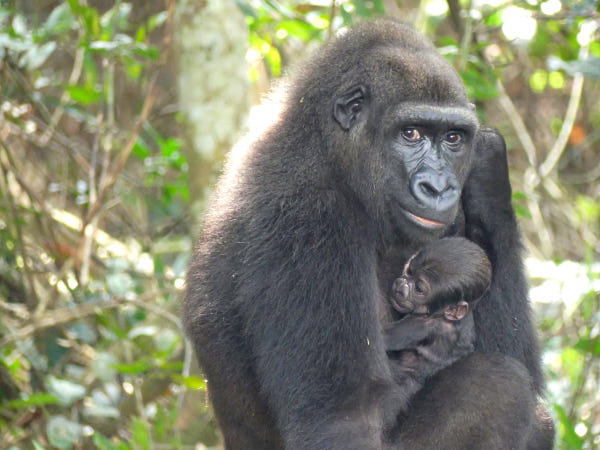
(62, 316)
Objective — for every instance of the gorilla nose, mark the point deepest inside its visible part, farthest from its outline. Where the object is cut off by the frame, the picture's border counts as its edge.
(403, 290)
(434, 190)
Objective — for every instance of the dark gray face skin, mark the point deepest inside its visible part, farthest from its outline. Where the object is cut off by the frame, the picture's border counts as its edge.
(427, 154)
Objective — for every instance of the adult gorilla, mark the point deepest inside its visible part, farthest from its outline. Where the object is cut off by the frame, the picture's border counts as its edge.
(313, 220)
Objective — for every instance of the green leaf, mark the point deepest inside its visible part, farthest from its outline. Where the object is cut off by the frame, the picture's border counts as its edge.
(103, 443)
(140, 433)
(589, 67)
(589, 345)
(140, 366)
(36, 399)
(246, 8)
(84, 95)
(120, 283)
(36, 56)
(523, 212)
(66, 391)
(572, 362)
(346, 16)
(494, 20)
(587, 208)
(63, 433)
(379, 6)
(479, 87)
(157, 20)
(191, 382)
(297, 28)
(59, 21)
(568, 434)
(103, 366)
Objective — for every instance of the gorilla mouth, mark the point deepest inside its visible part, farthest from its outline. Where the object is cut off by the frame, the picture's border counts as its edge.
(427, 223)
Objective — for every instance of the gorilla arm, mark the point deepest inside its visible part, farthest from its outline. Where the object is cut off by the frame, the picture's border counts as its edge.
(503, 319)
(318, 355)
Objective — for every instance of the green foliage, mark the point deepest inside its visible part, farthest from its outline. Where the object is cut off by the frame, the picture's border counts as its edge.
(91, 349)
(100, 363)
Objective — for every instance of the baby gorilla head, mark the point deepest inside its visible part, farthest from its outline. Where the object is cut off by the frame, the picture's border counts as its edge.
(449, 272)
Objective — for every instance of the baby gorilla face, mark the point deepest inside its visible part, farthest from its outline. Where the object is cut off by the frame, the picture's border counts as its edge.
(441, 278)
(411, 294)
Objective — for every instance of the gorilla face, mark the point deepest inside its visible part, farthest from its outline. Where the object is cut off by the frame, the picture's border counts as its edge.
(416, 159)
(429, 152)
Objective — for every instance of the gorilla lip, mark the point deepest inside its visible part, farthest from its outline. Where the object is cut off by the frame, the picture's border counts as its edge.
(423, 221)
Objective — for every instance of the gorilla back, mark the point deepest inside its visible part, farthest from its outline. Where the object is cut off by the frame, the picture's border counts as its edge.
(370, 150)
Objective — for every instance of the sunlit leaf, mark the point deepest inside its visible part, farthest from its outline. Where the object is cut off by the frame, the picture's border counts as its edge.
(191, 382)
(298, 29)
(569, 436)
(572, 362)
(522, 211)
(120, 283)
(589, 67)
(140, 433)
(59, 21)
(494, 19)
(84, 95)
(103, 366)
(140, 366)
(589, 345)
(36, 399)
(66, 391)
(62, 432)
(36, 55)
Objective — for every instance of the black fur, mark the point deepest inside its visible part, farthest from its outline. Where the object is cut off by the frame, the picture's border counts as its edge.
(437, 291)
(284, 305)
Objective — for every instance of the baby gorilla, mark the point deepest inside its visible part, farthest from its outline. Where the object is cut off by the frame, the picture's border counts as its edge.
(439, 287)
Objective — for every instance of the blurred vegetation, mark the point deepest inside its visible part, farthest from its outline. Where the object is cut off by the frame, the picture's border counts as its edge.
(95, 222)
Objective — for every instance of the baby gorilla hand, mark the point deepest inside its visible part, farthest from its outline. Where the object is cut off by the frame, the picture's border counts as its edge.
(457, 311)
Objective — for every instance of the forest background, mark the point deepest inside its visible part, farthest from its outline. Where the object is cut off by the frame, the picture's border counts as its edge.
(115, 117)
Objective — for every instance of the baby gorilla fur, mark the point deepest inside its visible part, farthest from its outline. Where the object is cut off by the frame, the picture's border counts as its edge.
(437, 291)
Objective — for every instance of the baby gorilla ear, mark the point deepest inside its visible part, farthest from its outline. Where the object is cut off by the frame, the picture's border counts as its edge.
(457, 311)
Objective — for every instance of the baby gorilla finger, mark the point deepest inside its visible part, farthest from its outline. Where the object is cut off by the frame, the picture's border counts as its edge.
(456, 312)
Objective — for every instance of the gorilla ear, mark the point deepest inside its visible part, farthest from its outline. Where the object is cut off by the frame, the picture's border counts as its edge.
(348, 107)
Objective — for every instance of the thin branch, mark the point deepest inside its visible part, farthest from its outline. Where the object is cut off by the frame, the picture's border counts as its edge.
(58, 112)
(62, 316)
(332, 13)
(517, 122)
(563, 137)
(17, 310)
(119, 163)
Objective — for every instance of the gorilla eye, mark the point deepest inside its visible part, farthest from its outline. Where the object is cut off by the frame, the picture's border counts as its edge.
(420, 287)
(453, 137)
(411, 134)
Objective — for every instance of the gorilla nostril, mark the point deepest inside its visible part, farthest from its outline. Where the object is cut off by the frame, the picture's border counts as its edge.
(429, 190)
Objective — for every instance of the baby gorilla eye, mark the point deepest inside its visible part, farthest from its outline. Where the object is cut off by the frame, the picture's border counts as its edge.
(421, 287)
(410, 134)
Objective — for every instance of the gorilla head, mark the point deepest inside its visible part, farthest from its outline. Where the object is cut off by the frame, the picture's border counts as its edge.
(403, 127)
